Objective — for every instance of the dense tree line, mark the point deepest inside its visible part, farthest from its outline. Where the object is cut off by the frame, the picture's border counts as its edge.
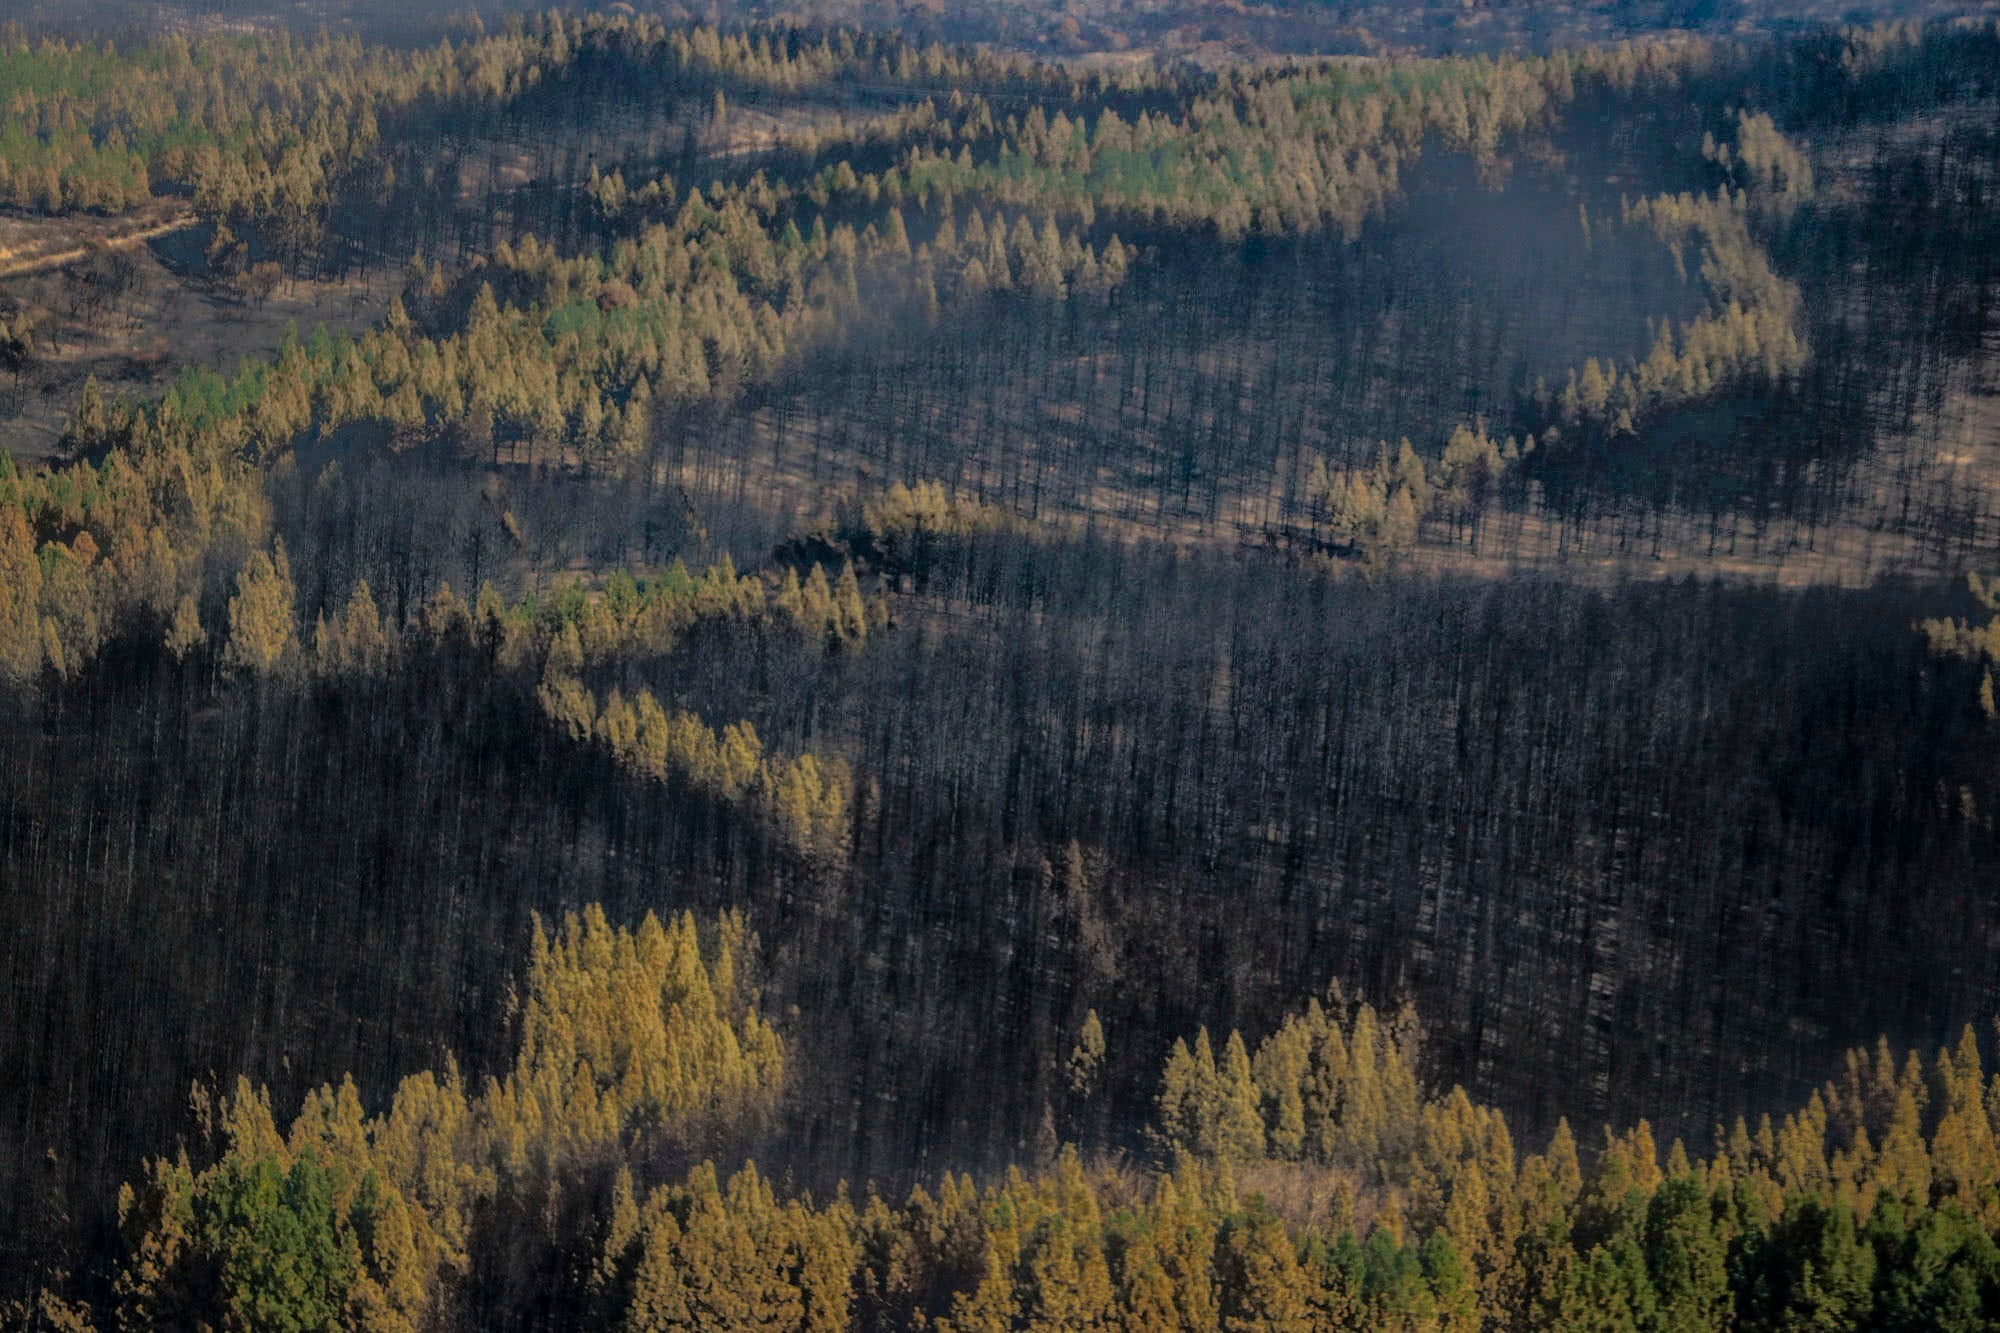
(267, 125)
(627, 1038)
(1314, 1184)
(259, 125)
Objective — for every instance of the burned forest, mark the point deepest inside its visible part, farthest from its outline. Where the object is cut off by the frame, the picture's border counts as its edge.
(1113, 666)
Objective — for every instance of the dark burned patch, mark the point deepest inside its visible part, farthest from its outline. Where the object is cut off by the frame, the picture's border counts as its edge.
(139, 368)
(828, 548)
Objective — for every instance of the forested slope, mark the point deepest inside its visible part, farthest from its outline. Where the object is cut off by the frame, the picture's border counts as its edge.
(1314, 1183)
(1062, 552)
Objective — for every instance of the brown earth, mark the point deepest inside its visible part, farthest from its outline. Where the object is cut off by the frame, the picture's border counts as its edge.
(137, 341)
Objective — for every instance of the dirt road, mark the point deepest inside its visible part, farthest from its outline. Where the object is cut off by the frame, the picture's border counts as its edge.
(30, 264)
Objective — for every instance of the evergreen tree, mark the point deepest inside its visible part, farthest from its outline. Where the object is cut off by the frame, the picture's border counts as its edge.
(1238, 1132)
(20, 599)
(263, 631)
